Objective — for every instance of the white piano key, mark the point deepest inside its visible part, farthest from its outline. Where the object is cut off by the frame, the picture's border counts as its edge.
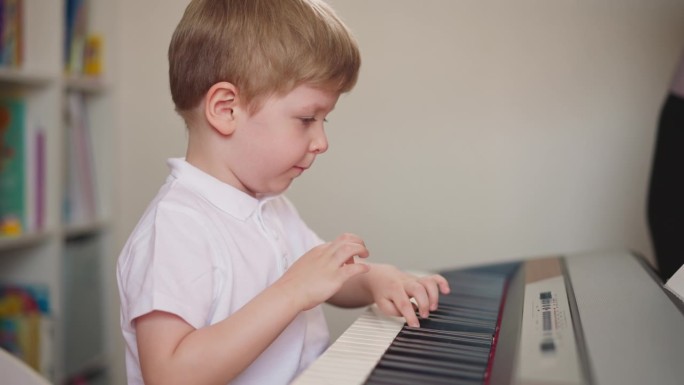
(356, 352)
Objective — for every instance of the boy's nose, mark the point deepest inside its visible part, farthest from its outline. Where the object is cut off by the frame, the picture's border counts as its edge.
(319, 144)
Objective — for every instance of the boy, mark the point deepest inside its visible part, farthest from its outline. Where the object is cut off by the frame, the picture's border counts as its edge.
(221, 280)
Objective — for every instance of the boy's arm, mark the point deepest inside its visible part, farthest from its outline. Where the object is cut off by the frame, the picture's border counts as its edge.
(392, 289)
(172, 351)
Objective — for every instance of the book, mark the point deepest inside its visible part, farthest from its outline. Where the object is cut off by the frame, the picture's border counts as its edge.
(92, 57)
(34, 179)
(40, 181)
(26, 325)
(2, 31)
(12, 167)
(12, 33)
(75, 35)
(79, 204)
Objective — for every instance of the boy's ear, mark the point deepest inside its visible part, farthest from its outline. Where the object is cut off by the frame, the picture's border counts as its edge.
(220, 102)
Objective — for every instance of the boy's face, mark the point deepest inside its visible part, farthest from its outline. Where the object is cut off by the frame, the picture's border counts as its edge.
(279, 142)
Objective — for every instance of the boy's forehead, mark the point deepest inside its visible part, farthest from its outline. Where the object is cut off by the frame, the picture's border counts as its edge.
(310, 98)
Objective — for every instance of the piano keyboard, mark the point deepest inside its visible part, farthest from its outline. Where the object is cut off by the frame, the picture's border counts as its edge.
(589, 319)
(452, 346)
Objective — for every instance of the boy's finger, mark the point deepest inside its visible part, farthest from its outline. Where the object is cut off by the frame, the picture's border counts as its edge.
(349, 237)
(344, 251)
(405, 308)
(420, 296)
(350, 270)
(442, 283)
(432, 292)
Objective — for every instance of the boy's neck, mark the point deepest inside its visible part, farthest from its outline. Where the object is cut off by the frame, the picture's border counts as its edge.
(201, 154)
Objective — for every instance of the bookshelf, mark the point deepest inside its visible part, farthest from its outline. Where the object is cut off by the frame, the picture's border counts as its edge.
(67, 254)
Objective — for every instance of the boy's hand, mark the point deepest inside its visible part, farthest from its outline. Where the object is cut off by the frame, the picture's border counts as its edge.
(392, 290)
(321, 272)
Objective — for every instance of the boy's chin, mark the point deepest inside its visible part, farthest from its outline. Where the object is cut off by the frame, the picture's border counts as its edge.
(276, 189)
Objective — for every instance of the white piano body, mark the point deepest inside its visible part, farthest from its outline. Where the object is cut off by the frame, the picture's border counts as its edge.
(598, 318)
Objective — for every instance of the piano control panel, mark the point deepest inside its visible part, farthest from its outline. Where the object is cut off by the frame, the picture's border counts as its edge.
(547, 348)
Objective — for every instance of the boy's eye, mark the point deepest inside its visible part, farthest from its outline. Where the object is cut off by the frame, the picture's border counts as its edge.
(310, 119)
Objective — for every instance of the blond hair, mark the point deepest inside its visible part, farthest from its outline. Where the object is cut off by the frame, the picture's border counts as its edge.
(263, 47)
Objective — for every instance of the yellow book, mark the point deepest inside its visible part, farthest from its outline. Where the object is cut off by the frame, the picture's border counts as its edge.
(92, 57)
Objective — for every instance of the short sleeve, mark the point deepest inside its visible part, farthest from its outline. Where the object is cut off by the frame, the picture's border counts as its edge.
(170, 268)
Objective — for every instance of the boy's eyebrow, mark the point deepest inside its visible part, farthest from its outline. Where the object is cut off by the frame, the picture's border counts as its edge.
(316, 107)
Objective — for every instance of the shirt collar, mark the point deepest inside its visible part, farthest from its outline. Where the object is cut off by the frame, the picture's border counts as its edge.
(220, 194)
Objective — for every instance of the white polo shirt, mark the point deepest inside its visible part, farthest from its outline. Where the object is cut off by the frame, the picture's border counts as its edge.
(202, 250)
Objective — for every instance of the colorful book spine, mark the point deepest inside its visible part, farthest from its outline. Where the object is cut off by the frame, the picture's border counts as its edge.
(80, 201)
(11, 33)
(40, 180)
(76, 24)
(26, 325)
(92, 58)
(22, 170)
(34, 141)
(2, 31)
(12, 167)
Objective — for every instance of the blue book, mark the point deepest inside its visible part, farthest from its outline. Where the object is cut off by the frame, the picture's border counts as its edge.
(75, 24)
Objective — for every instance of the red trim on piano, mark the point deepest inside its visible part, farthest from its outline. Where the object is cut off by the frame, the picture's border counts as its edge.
(495, 338)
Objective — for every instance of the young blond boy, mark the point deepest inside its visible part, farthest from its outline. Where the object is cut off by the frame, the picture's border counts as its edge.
(221, 281)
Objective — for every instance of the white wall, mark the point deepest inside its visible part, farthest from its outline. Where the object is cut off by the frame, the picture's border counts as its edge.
(479, 130)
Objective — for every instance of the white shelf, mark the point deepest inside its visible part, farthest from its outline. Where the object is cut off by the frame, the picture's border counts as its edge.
(48, 257)
(79, 230)
(22, 77)
(86, 84)
(9, 243)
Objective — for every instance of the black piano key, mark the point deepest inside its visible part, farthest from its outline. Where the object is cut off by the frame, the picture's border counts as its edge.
(456, 337)
(459, 325)
(450, 351)
(390, 377)
(481, 286)
(448, 309)
(439, 345)
(438, 355)
(491, 290)
(495, 269)
(470, 301)
(452, 345)
(470, 318)
(429, 367)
